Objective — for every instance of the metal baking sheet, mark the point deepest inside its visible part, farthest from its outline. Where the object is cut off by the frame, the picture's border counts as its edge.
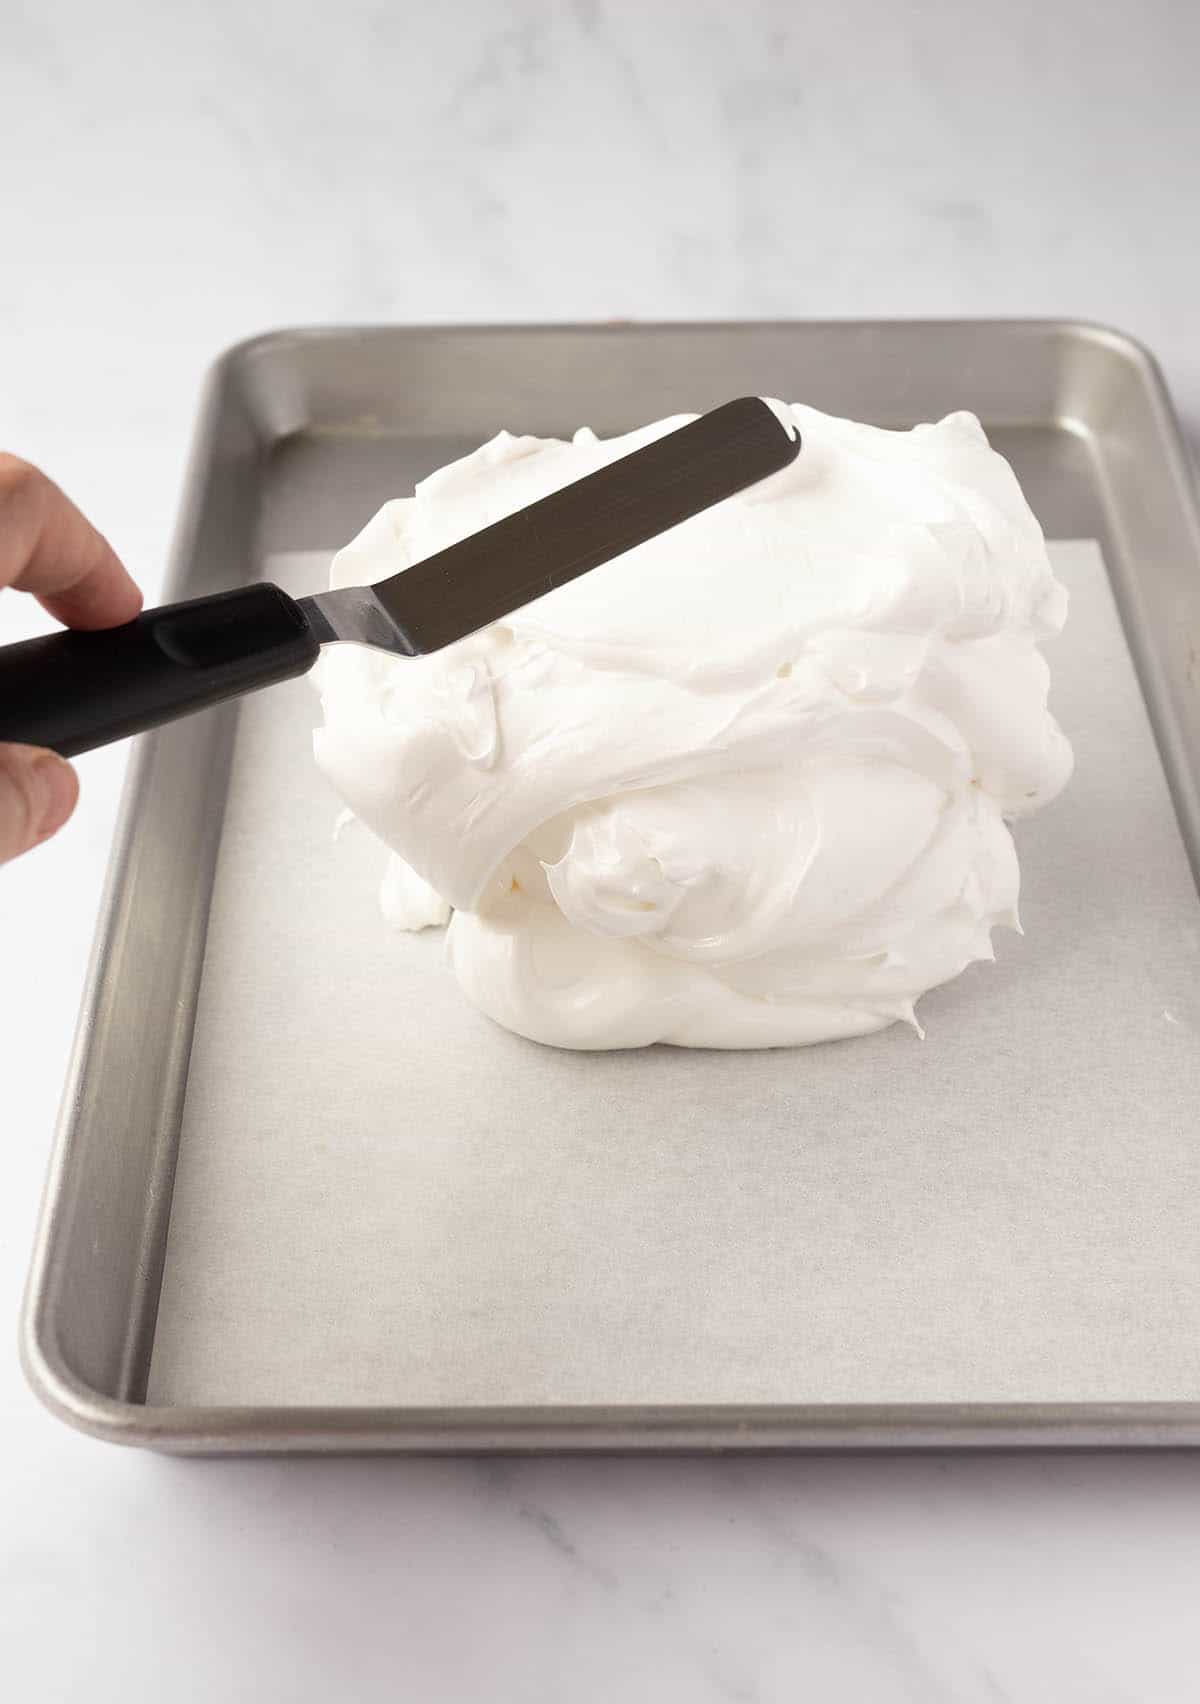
(305, 1198)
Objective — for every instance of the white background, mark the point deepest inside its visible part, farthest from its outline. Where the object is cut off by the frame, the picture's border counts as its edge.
(176, 176)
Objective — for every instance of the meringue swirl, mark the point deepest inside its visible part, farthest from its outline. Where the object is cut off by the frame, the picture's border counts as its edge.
(746, 786)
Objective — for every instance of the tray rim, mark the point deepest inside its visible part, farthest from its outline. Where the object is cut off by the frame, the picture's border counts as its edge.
(215, 1430)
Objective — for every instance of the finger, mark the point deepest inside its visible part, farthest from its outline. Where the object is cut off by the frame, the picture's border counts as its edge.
(48, 548)
(37, 794)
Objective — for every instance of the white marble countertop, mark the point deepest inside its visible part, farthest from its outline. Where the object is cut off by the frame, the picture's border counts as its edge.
(176, 177)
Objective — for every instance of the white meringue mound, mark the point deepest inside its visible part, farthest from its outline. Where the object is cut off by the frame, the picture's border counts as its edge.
(746, 786)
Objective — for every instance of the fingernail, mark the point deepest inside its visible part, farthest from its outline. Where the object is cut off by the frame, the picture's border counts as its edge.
(55, 789)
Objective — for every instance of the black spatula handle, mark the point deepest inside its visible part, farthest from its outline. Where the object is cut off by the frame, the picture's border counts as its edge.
(73, 691)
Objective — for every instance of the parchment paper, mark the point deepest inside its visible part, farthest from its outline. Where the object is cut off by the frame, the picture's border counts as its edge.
(382, 1198)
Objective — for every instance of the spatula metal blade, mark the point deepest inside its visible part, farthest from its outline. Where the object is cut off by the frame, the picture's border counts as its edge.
(488, 575)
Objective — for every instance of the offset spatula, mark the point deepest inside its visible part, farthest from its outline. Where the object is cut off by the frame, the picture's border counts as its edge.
(73, 691)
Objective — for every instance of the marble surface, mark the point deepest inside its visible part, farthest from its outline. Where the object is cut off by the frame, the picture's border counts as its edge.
(176, 177)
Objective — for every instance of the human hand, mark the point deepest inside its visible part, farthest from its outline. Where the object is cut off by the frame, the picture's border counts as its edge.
(48, 548)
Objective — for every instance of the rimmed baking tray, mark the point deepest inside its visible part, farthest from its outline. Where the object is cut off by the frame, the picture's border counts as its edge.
(302, 1199)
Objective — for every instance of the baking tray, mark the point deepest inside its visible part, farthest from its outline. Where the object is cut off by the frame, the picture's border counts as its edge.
(302, 1198)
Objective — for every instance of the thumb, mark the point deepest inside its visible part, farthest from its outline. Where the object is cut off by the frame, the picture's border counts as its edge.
(37, 794)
